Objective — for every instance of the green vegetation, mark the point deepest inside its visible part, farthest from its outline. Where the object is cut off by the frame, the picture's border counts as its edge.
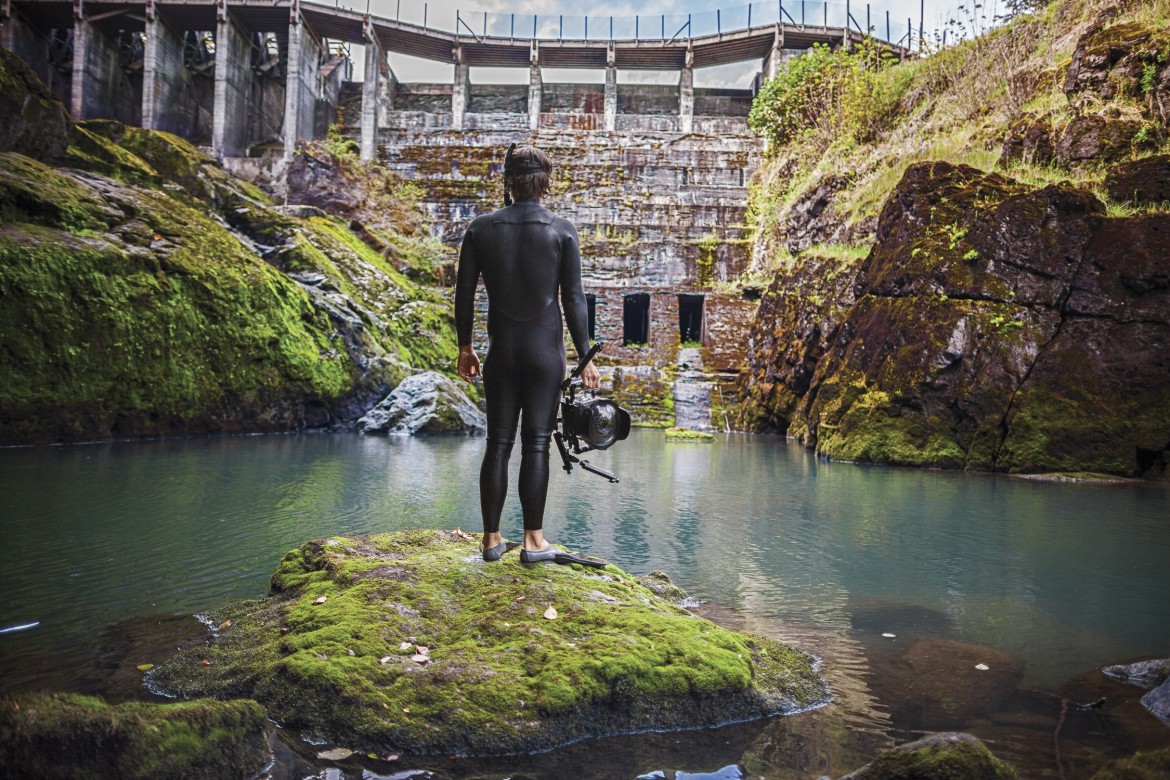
(410, 642)
(686, 434)
(73, 736)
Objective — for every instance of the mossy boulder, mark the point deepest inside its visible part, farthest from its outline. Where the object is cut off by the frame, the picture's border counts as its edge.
(411, 643)
(72, 736)
(993, 326)
(948, 756)
(1144, 765)
(32, 121)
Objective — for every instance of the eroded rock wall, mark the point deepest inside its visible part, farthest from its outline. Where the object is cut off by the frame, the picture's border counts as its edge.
(993, 326)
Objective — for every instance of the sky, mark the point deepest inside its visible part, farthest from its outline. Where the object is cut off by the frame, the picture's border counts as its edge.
(442, 14)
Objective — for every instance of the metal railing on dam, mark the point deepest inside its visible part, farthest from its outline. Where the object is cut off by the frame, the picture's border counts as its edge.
(493, 39)
(233, 74)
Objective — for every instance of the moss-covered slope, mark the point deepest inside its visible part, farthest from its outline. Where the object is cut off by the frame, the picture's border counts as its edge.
(145, 291)
(409, 642)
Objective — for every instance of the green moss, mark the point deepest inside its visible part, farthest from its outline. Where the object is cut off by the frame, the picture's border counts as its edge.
(188, 332)
(332, 651)
(686, 434)
(72, 736)
(1143, 765)
(31, 191)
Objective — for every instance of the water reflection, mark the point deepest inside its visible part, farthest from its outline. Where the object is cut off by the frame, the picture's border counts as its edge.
(1064, 578)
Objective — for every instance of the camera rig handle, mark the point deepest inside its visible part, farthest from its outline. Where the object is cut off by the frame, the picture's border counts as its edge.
(568, 459)
(576, 372)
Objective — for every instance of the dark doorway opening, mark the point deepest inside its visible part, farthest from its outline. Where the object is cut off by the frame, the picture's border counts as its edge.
(636, 319)
(690, 319)
(591, 305)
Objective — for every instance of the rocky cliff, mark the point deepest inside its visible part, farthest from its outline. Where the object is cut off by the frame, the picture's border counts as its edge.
(144, 291)
(1013, 320)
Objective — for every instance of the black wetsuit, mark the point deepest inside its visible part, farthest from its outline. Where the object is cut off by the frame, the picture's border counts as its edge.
(525, 254)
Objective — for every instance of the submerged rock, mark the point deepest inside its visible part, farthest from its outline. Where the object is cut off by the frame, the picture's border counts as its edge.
(1143, 674)
(410, 643)
(69, 735)
(950, 756)
(1157, 701)
(424, 403)
(1147, 765)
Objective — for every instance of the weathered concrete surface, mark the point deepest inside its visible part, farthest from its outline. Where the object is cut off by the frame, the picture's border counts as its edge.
(411, 643)
(54, 736)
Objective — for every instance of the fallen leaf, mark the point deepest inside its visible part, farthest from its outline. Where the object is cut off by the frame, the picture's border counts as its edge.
(463, 534)
(145, 667)
(982, 667)
(422, 649)
(888, 635)
(406, 710)
(550, 613)
(283, 630)
(420, 658)
(404, 646)
(205, 662)
(320, 600)
(336, 754)
(390, 757)
(574, 645)
(372, 755)
(351, 652)
(225, 624)
(521, 598)
(386, 659)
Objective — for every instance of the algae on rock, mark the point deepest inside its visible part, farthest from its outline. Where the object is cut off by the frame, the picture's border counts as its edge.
(337, 651)
(67, 735)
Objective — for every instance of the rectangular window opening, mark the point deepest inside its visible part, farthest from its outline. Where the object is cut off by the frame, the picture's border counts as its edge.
(690, 320)
(636, 319)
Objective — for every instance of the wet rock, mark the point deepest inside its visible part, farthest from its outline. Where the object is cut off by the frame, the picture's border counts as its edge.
(811, 219)
(1144, 765)
(69, 735)
(32, 121)
(424, 403)
(1157, 701)
(1094, 138)
(956, 339)
(660, 583)
(939, 681)
(1143, 674)
(948, 756)
(1029, 141)
(329, 652)
(1140, 182)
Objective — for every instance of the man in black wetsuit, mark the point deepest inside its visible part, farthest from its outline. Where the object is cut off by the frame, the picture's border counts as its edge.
(525, 255)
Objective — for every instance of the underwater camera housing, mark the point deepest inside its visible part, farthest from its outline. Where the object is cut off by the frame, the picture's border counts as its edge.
(595, 424)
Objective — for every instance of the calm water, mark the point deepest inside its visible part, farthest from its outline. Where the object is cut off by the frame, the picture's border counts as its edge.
(102, 540)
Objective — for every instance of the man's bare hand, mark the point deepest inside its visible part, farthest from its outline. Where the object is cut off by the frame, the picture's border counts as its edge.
(468, 364)
(591, 377)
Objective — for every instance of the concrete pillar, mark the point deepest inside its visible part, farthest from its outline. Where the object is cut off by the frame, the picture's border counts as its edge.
(460, 90)
(610, 90)
(7, 34)
(535, 89)
(82, 31)
(686, 95)
(371, 93)
(388, 86)
(775, 57)
(165, 103)
(233, 83)
(301, 85)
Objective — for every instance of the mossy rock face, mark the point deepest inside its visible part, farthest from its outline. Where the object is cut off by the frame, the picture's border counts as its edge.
(32, 121)
(993, 326)
(72, 736)
(950, 756)
(1145, 765)
(409, 642)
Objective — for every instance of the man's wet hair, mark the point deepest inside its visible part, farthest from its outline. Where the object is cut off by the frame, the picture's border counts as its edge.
(527, 173)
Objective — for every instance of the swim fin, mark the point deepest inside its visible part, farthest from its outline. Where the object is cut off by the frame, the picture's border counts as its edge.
(565, 559)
